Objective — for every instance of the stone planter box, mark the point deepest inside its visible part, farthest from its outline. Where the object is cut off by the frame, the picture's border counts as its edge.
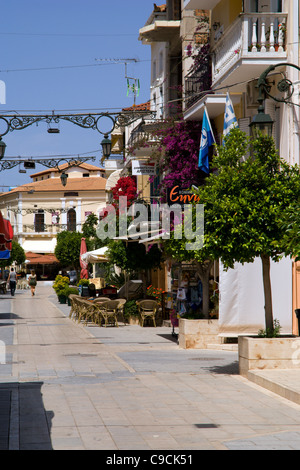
(268, 353)
(198, 334)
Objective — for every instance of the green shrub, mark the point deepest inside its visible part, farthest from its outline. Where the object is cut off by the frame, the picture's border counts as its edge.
(83, 282)
(131, 309)
(271, 332)
(60, 284)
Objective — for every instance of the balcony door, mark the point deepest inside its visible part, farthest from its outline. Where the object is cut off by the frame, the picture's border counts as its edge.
(71, 220)
(264, 6)
(39, 221)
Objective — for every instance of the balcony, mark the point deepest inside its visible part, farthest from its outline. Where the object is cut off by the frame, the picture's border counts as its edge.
(245, 49)
(159, 31)
(114, 163)
(200, 4)
(197, 84)
(45, 230)
(143, 136)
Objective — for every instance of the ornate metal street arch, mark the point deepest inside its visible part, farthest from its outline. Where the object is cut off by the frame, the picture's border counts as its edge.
(94, 121)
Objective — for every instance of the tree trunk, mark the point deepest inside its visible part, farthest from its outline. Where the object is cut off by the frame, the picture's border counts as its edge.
(203, 270)
(267, 292)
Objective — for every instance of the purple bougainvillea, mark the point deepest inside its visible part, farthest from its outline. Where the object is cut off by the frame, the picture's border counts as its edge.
(179, 150)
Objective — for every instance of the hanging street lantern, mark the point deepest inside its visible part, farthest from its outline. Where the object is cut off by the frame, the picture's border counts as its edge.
(64, 178)
(106, 146)
(2, 148)
(262, 123)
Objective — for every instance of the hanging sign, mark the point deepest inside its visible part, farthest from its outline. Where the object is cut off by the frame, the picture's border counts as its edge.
(141, 168)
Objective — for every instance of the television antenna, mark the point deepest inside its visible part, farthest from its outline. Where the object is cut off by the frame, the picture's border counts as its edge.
(133, 84)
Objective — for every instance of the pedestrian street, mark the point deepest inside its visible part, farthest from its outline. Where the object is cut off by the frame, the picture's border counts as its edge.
(67, 386)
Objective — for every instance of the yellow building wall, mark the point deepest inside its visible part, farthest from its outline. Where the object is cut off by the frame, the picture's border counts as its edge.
(225, 12)
(143, 187)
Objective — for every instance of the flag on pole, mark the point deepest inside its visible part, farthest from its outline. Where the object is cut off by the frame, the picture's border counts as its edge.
(207, 140)
(230, 120)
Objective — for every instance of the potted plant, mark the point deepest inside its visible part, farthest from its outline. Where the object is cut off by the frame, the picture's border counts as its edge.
(68, 291)
(155, 293)
(59, 285)
(81, 284)
(131, 312)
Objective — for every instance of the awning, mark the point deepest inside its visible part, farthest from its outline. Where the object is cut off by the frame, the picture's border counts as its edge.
(112, 180)
(39, 246)
(6, 235)
(35, 258)
(96, 256)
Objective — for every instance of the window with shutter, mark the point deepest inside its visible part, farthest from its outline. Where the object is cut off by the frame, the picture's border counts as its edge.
(39, 221)
(71, 220)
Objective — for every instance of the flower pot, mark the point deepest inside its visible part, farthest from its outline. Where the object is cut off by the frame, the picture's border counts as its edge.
(198, 334)
(62, 299)
(268, 353)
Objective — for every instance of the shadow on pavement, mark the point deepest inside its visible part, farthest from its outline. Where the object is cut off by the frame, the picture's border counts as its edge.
(230, 369)
(24, 422)
(8, 316)
(170, 337)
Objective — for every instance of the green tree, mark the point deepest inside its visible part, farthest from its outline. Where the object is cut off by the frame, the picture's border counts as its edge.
(89, 232)
(246, 201)
(17, 255)
(67, 249)
(89, 226)
(133, 256)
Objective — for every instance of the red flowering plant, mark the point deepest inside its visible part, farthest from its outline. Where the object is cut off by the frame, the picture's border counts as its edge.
(156, 293)
(126, 187)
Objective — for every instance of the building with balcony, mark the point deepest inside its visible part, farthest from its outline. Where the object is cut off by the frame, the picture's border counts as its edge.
(41, 209)
(246, 37)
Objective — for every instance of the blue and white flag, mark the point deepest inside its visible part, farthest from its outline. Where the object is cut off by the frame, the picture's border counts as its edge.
(230, 120)
(207, 140)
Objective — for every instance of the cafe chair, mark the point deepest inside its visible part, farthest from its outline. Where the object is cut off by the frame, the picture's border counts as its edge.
(148, 309)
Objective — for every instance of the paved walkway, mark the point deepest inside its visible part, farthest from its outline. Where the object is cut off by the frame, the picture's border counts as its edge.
(65, 386)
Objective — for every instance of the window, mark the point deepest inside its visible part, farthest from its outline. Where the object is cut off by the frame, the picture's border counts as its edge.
(71, 220)
(161, 63)
(39, 221)
(154, 185)
(154, 71)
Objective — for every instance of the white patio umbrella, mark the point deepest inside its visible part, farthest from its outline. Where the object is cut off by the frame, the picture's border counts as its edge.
(95, 256)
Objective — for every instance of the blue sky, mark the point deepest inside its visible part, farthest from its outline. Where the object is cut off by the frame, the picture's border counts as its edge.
(55, 37)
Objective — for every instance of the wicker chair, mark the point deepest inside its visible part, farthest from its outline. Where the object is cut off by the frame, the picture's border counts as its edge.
(120, 308)
(148, 309)
(109, 311)
(100, 300)
(74, 312)
(87, 311)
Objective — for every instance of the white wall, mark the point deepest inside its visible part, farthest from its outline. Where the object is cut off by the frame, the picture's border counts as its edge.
(241, 307)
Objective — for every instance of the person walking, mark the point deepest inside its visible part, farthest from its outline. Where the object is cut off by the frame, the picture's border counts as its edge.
(12, 280)
(32, 282)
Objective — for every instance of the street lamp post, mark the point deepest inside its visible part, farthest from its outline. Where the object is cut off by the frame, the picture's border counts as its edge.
(263, 122)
